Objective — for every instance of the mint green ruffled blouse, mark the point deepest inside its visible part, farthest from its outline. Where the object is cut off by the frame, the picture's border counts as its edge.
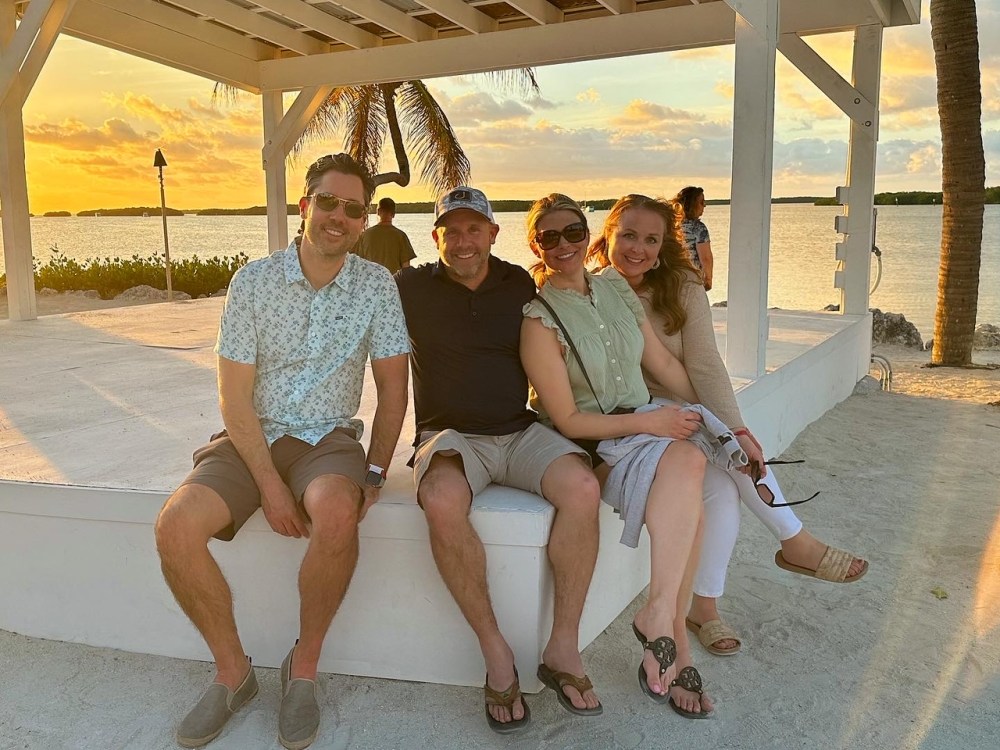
(605, 328)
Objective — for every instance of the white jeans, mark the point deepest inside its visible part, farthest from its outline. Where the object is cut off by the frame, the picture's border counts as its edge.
(723, 491)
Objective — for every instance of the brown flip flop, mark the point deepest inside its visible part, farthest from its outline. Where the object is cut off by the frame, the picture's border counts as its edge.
(558, 680)
(506, 699)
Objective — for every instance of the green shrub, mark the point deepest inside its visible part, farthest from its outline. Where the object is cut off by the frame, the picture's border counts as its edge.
(112, 276)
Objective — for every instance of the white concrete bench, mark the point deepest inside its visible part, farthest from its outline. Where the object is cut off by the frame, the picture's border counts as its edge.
(79, 564)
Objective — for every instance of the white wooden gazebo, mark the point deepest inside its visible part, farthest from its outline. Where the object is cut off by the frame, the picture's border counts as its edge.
(274, 46)
(789, 367)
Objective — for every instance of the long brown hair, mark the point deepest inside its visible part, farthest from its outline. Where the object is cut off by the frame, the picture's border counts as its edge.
(542, 207)
(686, 198)
(664, 282)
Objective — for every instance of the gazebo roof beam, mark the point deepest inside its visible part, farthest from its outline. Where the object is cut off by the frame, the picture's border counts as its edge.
(387, 17)
(883, 9)
(255, 25)
(464, 15)
(331, 26)
(589, 39)
(539, 11)
(193, 26)
(100, 24)
(619, 7)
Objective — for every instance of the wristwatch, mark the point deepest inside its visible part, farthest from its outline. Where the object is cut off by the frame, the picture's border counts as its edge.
(375, 477)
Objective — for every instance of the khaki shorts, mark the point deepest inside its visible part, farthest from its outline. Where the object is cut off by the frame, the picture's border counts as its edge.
(219, 467)
(516, 460)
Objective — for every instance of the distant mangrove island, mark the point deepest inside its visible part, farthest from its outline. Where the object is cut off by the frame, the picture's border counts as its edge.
(906, 198)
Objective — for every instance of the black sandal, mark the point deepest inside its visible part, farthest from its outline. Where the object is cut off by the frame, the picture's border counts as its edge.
(664, 650)
(689, 679)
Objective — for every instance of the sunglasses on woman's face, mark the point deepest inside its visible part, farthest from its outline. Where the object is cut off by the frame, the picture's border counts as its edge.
(329, 202)
(576, 232)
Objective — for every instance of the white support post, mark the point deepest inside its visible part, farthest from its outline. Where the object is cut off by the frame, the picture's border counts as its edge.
(14, 193)
(274, 175)
(854, 271)
(750, 212)
(281, 131)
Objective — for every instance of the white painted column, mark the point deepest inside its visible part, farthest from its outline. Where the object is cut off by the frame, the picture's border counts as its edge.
(853, 275)
(750, 213)
(14, 192)
(274, 175)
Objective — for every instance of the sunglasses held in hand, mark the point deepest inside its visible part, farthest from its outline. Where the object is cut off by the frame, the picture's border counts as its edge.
(576, 232)
(329, 202)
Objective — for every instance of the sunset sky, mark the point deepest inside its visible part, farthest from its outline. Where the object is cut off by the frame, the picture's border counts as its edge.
(640, 124)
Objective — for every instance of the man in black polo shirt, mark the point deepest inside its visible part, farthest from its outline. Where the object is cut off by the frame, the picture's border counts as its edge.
(473, 428)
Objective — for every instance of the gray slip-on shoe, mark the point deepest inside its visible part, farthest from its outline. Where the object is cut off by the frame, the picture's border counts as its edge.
(217, 704)
(298, 717)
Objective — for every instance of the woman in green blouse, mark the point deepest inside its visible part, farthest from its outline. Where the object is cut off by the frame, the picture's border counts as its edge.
(606, 323)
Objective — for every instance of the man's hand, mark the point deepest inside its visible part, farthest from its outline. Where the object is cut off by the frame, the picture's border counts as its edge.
(671, 421)
(371, 495)
(282, 512)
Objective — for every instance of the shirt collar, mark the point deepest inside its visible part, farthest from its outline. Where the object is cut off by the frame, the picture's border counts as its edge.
(293, 269)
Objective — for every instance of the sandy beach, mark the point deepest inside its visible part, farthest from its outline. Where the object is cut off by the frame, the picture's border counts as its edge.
(69, 302)
(908, 657)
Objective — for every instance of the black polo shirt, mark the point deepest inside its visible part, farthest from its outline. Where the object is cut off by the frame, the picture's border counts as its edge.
(466, 364)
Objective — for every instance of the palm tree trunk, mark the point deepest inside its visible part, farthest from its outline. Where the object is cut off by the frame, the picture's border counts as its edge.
(955, 35)
(402, 177)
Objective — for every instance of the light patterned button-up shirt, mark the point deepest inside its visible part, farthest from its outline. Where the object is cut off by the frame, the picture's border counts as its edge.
(310, 345)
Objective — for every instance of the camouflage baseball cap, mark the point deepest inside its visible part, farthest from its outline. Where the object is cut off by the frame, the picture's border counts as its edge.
(462, 197)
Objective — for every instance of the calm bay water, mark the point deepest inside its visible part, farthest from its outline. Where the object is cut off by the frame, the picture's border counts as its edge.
(801, 262)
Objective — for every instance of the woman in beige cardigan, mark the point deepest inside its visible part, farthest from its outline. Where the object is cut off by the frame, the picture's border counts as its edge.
(641, 240)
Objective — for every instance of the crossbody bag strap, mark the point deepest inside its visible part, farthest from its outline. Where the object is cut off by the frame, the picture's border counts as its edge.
(572, 348)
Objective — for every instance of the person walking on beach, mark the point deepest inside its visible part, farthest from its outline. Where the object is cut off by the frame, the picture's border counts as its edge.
(473, 428)
(696, 237)
(296, 332)
(385, 243)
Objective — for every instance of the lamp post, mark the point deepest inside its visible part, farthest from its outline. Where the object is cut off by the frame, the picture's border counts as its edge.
(159, 162)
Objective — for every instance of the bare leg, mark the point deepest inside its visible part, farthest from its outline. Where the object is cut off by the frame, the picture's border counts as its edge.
(190, 517)
(574, 492)
(686, 699)
(673, 512)
(446, 498)
(333, 503)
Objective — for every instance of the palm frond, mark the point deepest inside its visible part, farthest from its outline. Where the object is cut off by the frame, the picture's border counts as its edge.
(224, 94)
(365, 126)
(433, 144)
(327, 121)
(520, 82)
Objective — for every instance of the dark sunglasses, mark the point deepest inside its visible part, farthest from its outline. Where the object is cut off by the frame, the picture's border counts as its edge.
(755, 474)
(329, 202)
(576, 232)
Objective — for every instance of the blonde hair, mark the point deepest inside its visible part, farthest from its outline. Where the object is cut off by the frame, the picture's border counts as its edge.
(539, 209)
(674, 270)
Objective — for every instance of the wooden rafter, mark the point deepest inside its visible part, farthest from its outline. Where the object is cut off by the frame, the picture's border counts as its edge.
(464, 15)
(311, 18)
(255, 25)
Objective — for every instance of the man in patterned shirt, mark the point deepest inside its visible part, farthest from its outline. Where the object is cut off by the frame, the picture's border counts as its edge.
(296, 332)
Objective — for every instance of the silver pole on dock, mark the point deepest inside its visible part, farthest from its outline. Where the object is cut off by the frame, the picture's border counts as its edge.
(160, 162)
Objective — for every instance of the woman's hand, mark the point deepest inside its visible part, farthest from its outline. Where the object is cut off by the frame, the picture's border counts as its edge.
(755, 455)
(670, 421)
